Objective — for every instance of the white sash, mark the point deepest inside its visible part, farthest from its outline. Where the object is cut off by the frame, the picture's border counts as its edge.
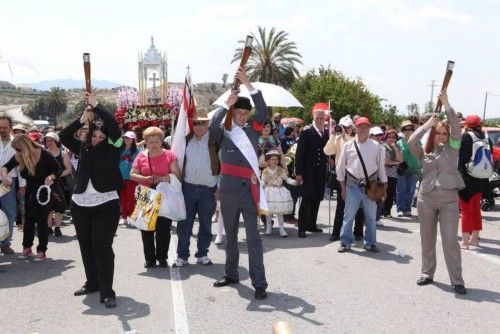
(242, 142)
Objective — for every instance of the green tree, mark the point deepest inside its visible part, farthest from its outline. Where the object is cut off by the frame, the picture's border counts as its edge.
(429, 108)
(413, 109)
(273, 58)
(37, 109)
(56, 102)
(347, 96)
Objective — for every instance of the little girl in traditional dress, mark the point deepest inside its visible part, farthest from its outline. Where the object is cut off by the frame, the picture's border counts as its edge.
(279, 200)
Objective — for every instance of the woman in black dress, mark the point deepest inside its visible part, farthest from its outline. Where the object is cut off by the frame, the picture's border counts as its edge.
(39, 168)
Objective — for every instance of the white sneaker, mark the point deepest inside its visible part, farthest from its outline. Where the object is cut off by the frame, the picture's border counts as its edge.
(179, 263)
(400, 214)
(218, 240)
(205, 260)
(379, 223)
(269, 229)
(283, 233)
(122, 221)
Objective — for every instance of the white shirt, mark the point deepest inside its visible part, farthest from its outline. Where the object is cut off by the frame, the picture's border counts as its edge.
(6, 153)
(198, 166)
(373, 156)
(91, 197)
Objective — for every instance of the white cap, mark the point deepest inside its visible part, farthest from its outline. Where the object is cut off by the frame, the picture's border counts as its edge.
(130, 134)
(376, 130)
(52, 135)
(346, 121)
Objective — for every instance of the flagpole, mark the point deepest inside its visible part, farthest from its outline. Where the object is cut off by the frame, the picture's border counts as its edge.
(329, 171)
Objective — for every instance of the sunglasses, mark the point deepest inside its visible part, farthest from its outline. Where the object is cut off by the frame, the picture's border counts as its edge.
(408, 129)
(379, 135)
(442, 133)
(199, 123)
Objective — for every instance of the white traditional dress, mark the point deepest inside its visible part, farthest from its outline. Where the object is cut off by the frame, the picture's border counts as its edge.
(279, 200)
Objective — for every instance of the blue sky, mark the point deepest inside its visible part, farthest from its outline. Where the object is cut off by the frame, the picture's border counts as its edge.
(396, 47)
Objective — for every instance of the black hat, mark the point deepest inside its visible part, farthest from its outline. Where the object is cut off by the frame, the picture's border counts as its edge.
(243, 103)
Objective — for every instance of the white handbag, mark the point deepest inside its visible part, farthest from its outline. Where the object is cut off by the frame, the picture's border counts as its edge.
(4, 226)
(172, 200)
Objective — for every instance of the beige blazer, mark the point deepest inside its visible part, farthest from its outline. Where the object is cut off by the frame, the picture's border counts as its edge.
(440, 167)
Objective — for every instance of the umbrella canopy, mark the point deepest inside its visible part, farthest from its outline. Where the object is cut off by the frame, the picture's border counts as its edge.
(287, 120)
(275, 96)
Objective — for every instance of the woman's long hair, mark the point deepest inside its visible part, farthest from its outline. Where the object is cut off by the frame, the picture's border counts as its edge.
(26, 153)
(429, 147)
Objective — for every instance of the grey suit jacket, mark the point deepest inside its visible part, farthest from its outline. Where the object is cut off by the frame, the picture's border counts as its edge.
(231, 154)
(440, 167)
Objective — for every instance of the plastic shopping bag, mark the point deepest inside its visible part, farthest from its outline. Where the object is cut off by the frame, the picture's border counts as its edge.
(172, 203)
(146, 210)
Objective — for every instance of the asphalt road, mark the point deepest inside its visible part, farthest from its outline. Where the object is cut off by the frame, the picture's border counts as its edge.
(311, 286)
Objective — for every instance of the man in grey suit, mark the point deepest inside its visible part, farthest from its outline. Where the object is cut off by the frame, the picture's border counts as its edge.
(238, 194)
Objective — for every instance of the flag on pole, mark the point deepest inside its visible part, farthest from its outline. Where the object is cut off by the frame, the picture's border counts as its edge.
(184, 121)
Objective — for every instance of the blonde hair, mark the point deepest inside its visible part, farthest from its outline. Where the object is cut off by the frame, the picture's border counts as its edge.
(26, 153)
(152, 131)
(430, 142)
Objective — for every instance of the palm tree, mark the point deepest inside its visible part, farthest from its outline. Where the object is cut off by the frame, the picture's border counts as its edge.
(57, 102)
(273, 58)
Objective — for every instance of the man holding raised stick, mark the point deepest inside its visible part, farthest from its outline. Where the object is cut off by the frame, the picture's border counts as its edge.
(240, 191)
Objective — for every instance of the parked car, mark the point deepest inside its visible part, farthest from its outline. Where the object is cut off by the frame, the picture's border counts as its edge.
(494, 135)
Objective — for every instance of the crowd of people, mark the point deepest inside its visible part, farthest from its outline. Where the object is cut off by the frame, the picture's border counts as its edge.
(259, 168)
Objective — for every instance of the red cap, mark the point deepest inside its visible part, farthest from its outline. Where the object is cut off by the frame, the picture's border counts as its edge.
(35, 136)
(362, 120)
(320, 106)
(473, 121)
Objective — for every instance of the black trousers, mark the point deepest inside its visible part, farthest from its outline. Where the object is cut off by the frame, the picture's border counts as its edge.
(35, 214)
(391, 194)
(162, 237)
(95, 229)
(339, 218)
(308, 214)
(295, 192)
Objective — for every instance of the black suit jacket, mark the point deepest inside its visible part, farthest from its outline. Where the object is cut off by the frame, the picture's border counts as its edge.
(98, 163)
(311, 162)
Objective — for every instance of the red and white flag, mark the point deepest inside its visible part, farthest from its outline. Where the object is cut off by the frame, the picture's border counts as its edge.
(185, 120)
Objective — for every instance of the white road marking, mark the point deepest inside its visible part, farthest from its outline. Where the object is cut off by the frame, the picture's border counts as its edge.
(180, 316)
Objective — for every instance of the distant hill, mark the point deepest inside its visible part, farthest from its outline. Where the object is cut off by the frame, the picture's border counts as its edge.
(5, 85)
(71, 84)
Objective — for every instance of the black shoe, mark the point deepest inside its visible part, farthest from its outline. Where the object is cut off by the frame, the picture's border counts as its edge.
(460, 289)
(424, 281)
(225, 281)
(150, 264)
(344, 248)
(84, 291)
(110, 302)
(302, 234)
(163, 263)
(260, 293)
(57, 232)
(315, 230)
(334, 238)
(371, 248)
(50, 230)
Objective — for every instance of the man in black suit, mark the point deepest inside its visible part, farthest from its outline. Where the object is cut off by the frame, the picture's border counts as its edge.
(310, 167)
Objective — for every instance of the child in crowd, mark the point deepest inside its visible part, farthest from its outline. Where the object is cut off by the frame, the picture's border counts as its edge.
(279, 200)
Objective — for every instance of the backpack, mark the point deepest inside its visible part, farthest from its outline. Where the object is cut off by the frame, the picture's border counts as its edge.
(480, 165)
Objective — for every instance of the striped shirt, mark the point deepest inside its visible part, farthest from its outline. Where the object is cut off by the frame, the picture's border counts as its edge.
(198, 169)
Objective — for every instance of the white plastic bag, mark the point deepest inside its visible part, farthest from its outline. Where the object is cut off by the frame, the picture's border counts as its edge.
(172, 200)
(4, 226)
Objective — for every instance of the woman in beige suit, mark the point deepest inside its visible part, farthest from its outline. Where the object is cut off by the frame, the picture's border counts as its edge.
(438, 196)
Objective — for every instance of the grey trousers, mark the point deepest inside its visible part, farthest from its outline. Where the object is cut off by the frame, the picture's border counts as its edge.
(232, 204)
(441, 206)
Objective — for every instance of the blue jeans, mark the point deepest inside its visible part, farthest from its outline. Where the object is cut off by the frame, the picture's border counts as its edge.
(199, 200)
(356, 197)
(9, 207)
(405, 190)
